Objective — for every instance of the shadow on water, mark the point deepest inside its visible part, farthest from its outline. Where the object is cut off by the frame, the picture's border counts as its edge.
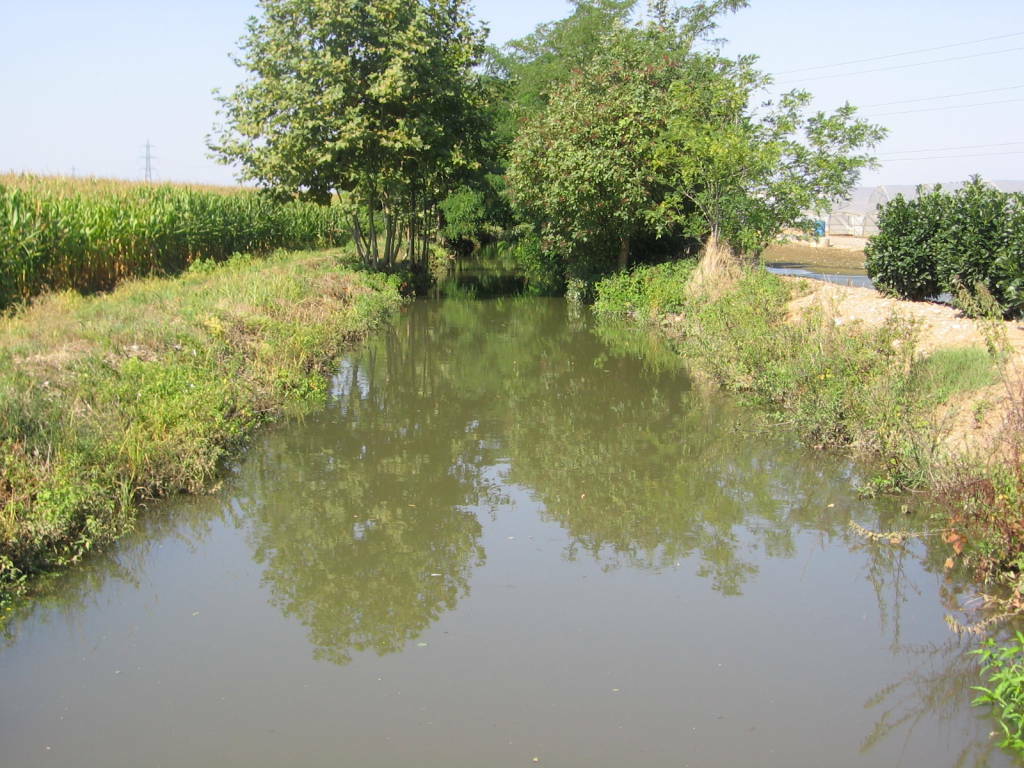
(489, 272)
(368, 522)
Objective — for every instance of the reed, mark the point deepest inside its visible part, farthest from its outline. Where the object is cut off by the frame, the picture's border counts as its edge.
(87, 235)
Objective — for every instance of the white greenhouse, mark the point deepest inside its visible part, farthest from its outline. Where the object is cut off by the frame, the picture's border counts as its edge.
(857, 216)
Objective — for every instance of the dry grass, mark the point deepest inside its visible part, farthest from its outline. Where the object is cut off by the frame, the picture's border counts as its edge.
(718, 270)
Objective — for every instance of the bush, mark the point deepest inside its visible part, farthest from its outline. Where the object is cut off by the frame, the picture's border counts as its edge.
(972, 237)
(1009, 265)
(645, 292)
(938, 242)
(901, 259)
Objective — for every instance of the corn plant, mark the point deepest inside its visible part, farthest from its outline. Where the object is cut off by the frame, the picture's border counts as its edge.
(87, 235)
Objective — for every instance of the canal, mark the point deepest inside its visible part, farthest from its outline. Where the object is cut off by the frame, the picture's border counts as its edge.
(511, 538)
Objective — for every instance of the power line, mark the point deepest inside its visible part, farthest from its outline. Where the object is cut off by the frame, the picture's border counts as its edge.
(954, 157)
(907, 66)
(945, 96)
(895, 55)
(946, 108)
(950, 149)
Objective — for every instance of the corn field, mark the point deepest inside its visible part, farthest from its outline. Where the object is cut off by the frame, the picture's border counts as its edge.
(58, 233)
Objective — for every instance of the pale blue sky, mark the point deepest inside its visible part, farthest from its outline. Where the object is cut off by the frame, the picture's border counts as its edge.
(84, 84)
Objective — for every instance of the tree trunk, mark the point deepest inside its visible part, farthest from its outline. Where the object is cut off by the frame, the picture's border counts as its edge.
(399, 236)
(389, 239)
(623, 253)
(373, 237)
(357, 233)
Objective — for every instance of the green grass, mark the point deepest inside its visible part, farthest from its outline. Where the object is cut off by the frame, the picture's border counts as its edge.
(947, 372)
(106, 401)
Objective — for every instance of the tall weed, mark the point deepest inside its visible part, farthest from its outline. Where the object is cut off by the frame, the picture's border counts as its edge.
(869, 389)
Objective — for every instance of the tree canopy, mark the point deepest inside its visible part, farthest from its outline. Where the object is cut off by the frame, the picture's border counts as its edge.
(378, 102)
(656, 137)
(614, 132)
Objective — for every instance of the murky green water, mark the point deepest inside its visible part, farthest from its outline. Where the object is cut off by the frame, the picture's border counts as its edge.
(508, 539)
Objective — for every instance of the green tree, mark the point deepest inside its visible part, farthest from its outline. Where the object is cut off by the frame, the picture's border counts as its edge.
(548, 56)
(739, 172)
(517, 78)
(654, 138)
(375, 102)
(582, 168)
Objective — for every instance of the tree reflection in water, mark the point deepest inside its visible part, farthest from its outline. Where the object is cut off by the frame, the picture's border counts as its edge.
(366, 520)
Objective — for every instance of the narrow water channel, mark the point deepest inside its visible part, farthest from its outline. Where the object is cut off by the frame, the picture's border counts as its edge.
(511, 539)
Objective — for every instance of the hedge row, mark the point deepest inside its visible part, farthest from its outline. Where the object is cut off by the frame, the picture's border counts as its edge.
(951, 241)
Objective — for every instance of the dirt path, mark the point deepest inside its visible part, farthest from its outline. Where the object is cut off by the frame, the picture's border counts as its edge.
(940, 324)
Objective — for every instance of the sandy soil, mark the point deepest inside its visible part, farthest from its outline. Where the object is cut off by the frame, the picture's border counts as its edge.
(940, 324)
(832, 242)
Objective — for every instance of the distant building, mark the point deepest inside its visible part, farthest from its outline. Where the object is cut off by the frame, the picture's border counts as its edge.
(857, 216)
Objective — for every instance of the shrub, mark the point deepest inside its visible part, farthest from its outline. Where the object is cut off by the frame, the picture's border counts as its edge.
(1009, 264)
(901, 259)
(971, 237)
(969, 240)
(645, 291)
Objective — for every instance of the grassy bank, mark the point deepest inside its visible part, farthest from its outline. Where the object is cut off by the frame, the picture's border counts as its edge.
(109, 400)
(89, 234)
(869, 389)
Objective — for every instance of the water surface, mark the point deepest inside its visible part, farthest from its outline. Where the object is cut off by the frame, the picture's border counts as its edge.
(510, 539)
